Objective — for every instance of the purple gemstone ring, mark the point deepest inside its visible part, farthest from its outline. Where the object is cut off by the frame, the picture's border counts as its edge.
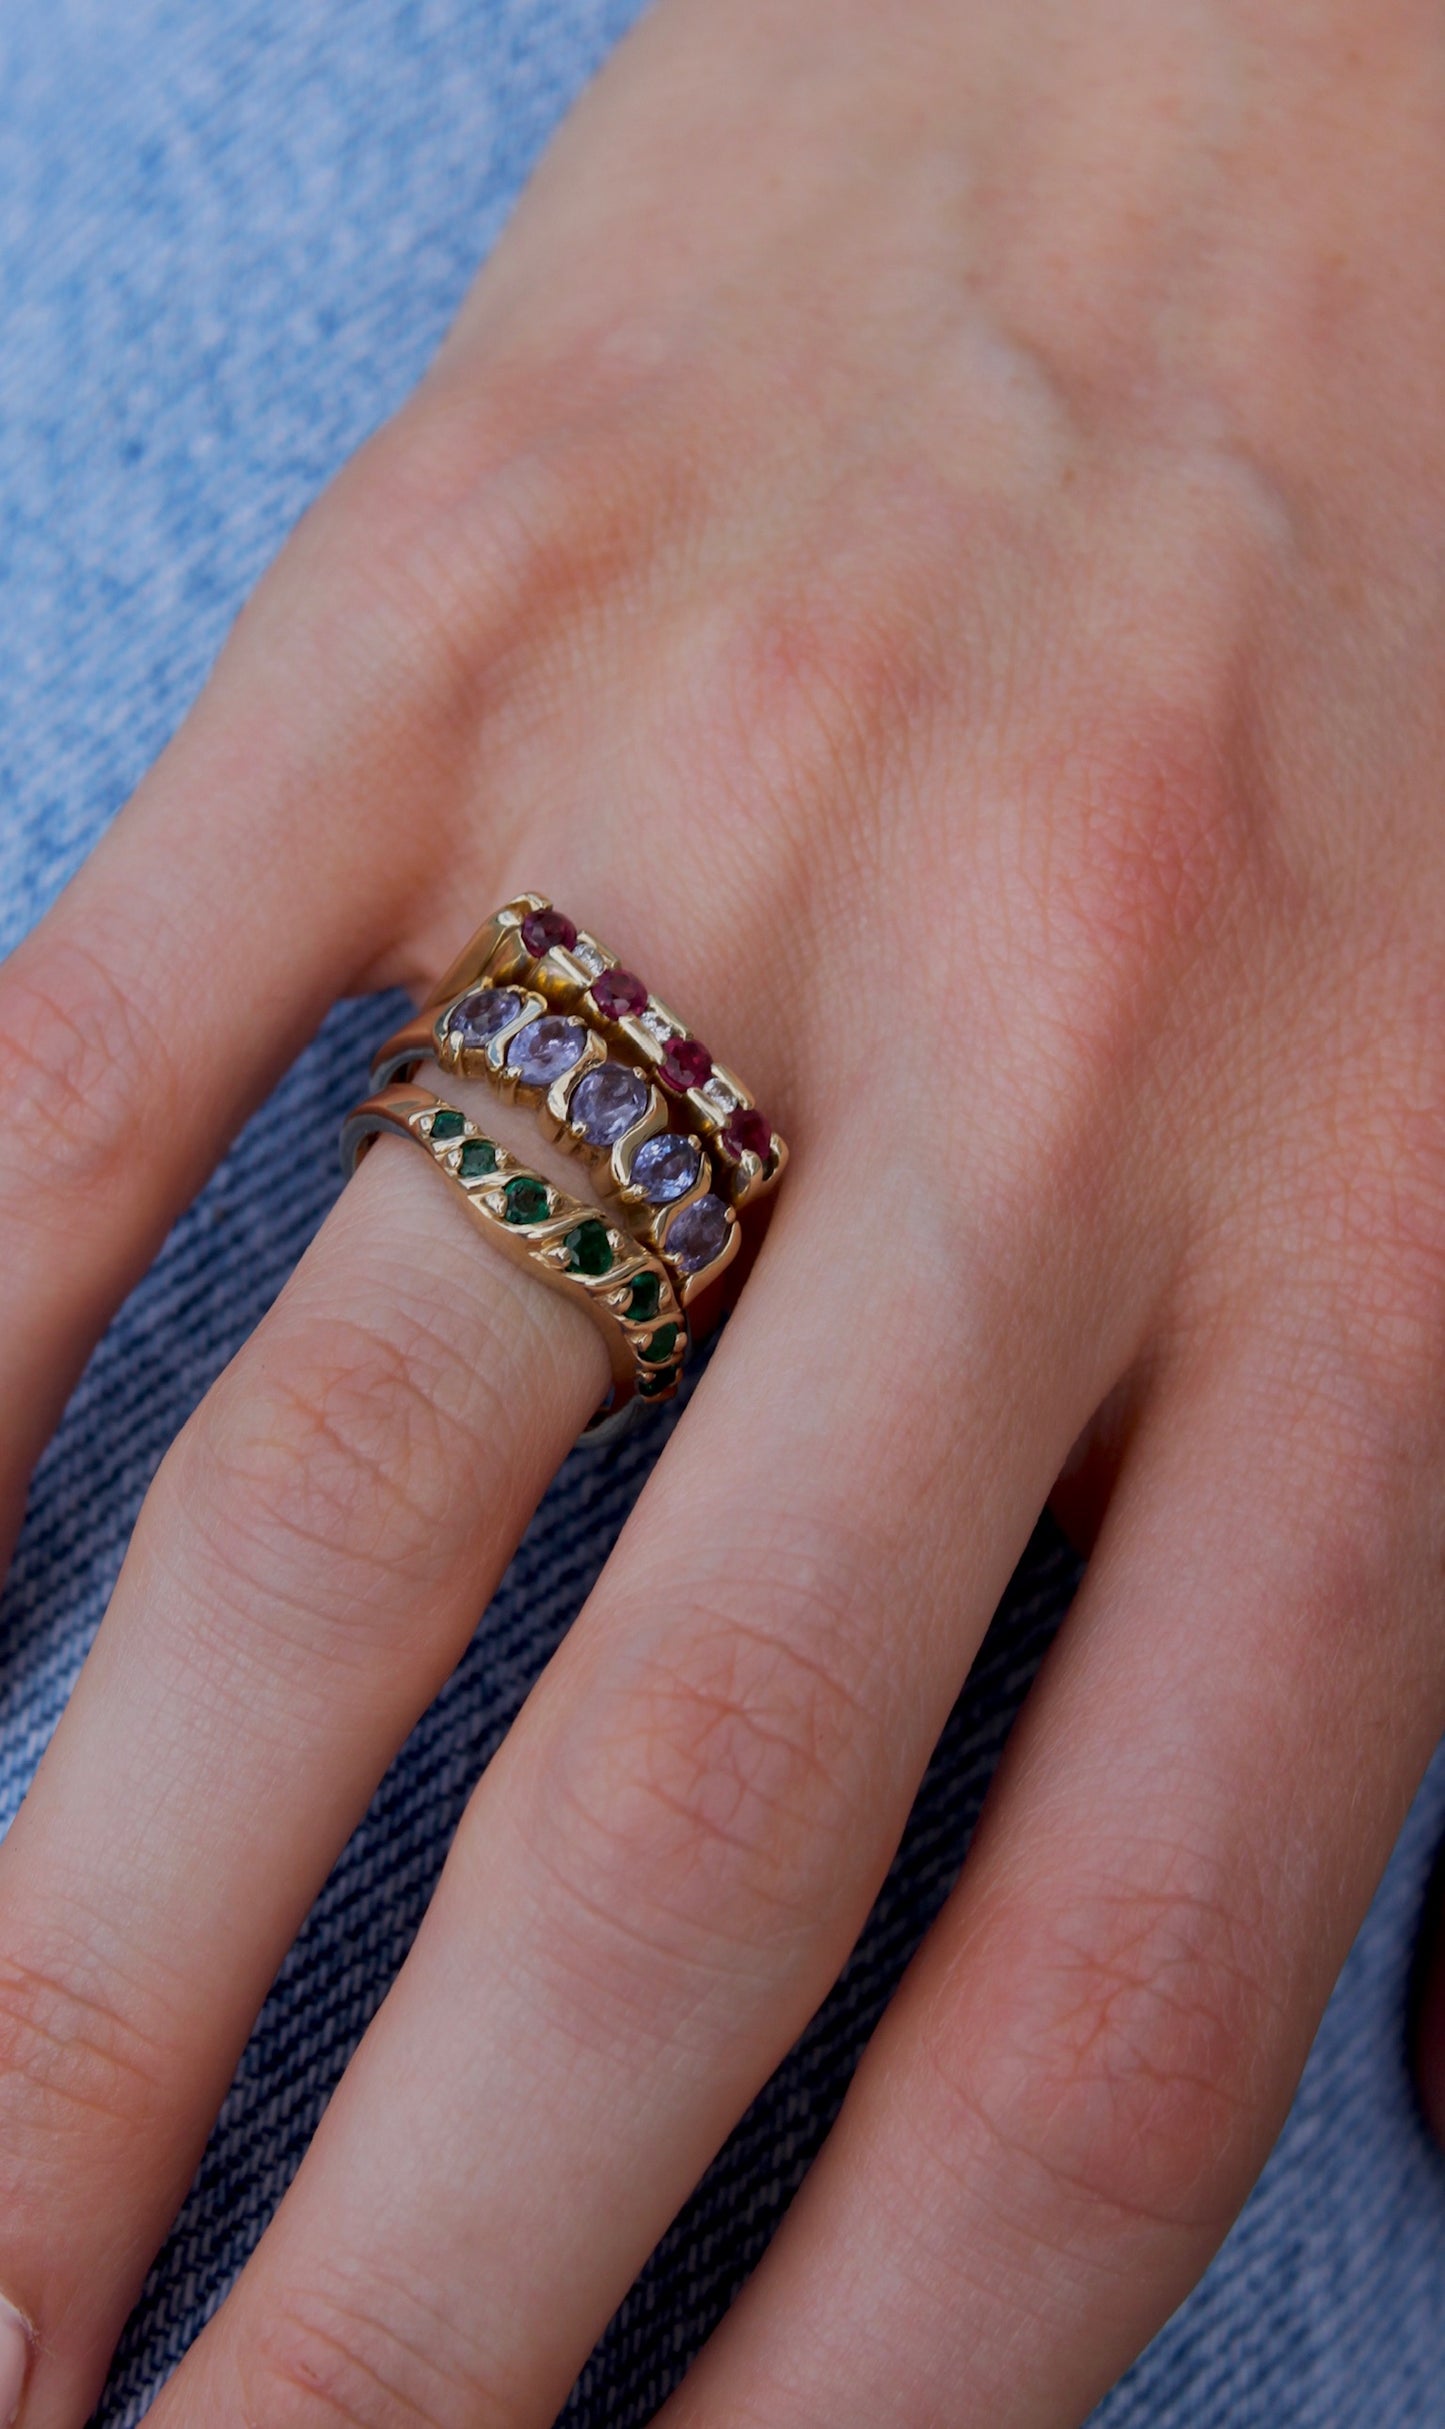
(677, 1148)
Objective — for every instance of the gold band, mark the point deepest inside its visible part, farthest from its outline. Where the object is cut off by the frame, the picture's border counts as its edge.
(546, 1014)
(568, 1243)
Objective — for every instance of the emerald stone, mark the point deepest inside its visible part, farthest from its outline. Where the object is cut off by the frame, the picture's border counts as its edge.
(662, 1344)
(644, 1299)
(649, 1386)
(478, 1156)
(589, 1251)
(447, 1124)
(527, 1200)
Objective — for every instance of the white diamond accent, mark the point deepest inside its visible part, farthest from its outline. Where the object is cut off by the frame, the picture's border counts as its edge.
(720, 1095)
(587, 957)
(657, 1025)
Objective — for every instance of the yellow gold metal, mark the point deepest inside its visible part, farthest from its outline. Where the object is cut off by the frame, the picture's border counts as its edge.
(428, 1039)
(560, 980)
(497, 955)
(568, 1242)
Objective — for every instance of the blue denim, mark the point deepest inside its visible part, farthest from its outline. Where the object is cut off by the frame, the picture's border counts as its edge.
(230, 236)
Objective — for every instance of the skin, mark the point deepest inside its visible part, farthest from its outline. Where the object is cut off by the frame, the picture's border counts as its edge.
(929, 535)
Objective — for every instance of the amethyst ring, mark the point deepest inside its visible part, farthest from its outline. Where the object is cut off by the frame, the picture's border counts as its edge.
(676, 1147)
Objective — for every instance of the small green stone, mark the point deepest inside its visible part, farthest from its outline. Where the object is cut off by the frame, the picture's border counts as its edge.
(527, 1200)
(589, 1251)
(478, 1157)
(662, 1344)
(644, 1299)
(649, 1387)
(448, 1125)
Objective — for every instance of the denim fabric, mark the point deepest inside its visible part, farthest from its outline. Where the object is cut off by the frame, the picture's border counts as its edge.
(229, 237)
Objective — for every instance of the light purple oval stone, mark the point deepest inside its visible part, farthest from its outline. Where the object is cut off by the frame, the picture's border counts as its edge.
(546, 1048)
(666, 1167)
(698, 1234)
(478, 1017)
(607, 1101)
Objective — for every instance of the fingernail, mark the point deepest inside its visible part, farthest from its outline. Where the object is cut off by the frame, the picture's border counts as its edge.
(14, 2361)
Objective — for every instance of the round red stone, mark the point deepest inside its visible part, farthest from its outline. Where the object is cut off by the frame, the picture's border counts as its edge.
(748, 1132)
(616, 993)
(686, 1064)
(543, 929)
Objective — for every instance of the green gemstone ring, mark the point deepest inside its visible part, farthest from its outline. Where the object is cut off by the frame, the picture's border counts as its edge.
(619, 1280)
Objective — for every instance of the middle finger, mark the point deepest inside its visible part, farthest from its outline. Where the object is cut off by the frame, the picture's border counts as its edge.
(667, 1862)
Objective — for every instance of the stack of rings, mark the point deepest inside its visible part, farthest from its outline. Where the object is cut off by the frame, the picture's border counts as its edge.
(676, 1147)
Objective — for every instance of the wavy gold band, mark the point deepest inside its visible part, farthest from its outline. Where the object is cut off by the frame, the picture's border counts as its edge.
(572, 1246)
(547, 1015)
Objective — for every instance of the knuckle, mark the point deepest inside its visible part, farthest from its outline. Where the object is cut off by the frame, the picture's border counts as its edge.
(74, 1043)
(70, 2055)
(1122, 2060)
(702, 1806)
(334, 1437)
(1136, 841)
(735, 1741)
(334, 2352)
(1346, 1262)
(836, 693)
(1386, 1211)
(487, 528)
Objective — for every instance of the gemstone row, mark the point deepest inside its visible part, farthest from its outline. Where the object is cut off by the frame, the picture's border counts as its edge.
(607, 1102)
(541, 1053)
(524, 1200)
(686, 1066)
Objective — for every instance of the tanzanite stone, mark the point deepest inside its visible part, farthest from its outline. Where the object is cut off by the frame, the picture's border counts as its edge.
(666, 1167)
(698, 1234)
(546, 1048)
(479, 1016)
(607, 1101)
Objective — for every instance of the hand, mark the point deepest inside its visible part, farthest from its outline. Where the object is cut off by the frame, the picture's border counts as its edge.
(928, 537)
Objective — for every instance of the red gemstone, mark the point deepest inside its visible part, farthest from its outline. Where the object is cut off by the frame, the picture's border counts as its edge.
(616, 992)
(543, 929)
(748, 1132)
(686, 1064)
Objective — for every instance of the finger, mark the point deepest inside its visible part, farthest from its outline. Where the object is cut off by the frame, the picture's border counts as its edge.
(307, 1569)
(255, 875)
(1086, 2066)
(668, 1861)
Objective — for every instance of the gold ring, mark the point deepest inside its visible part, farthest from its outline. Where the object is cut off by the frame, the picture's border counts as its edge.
(548, 1015)
(568, 1243)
